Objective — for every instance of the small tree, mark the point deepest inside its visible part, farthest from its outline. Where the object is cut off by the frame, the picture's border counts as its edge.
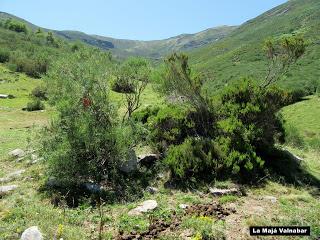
(85, 142)
(281, 55)
(133, 76)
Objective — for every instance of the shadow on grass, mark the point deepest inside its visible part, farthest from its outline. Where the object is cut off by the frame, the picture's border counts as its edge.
(125, 188)
(287, 167)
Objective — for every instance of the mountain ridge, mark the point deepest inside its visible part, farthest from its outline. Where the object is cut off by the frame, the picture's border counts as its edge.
(154, 49)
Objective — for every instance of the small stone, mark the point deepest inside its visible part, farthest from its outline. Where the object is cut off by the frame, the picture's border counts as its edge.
(6, 189)
(32, 233)
(221, 192)
(17, 153)
(271, 198)
(152, 190)
(144, 207)
(183, 206)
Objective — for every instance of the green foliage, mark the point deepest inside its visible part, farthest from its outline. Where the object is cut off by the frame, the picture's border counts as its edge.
(194, 157)
(15, 26)
(179, 80)
(85, 142)
(39, 92)
(35, 105)
(281, 55)
(32, 67)
(132, 77)
(169, 126)
(143, 115)
(4, 55)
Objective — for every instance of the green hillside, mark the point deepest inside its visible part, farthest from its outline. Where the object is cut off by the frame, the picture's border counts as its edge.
(241, 54)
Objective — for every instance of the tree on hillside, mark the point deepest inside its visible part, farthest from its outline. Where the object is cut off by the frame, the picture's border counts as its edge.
(281, 55)
(132, 78)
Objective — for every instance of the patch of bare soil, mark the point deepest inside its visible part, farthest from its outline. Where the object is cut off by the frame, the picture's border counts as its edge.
(251, 208)
(159, 226)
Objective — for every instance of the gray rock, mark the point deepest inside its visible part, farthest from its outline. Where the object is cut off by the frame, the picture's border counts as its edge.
(152, 190)
(144, 207)
(221, 192)
(183, 206)
(32, 233)
(6, 189)
(17, 153)
(11, 176)
(130, 165)
(271, 198)
(4, 96)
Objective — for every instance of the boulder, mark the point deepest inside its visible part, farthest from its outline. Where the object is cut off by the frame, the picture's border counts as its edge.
(144, 207)
(32, 233)
(221, 192)
(148, 159)
(130, 165)
(6, 189)
(17, 153)
(4, 96)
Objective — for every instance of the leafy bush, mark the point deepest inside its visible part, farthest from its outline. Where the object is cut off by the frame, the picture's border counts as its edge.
(15, 26)
(120, 85)
(247, 127)
(39, 92)
(143, 115)
(169, 126)
(194, 157)
(85, 143)
(35, 105)
(32, 67)
(4, 56)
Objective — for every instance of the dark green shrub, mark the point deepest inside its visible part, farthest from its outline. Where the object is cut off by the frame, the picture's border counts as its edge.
(15, 26)
(35, 105)
(4, 56)
(169, 127)
(194, 157)
(86, 142)
(32, 67)
(144, 114)
(120, 85)
(247, 127)
(39, 92)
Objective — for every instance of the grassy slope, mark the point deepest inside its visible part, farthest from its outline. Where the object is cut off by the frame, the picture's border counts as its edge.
(304, 116)
(26, 206)
(241, 54)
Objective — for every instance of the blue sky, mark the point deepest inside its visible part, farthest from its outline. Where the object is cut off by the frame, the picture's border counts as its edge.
(136, 19)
